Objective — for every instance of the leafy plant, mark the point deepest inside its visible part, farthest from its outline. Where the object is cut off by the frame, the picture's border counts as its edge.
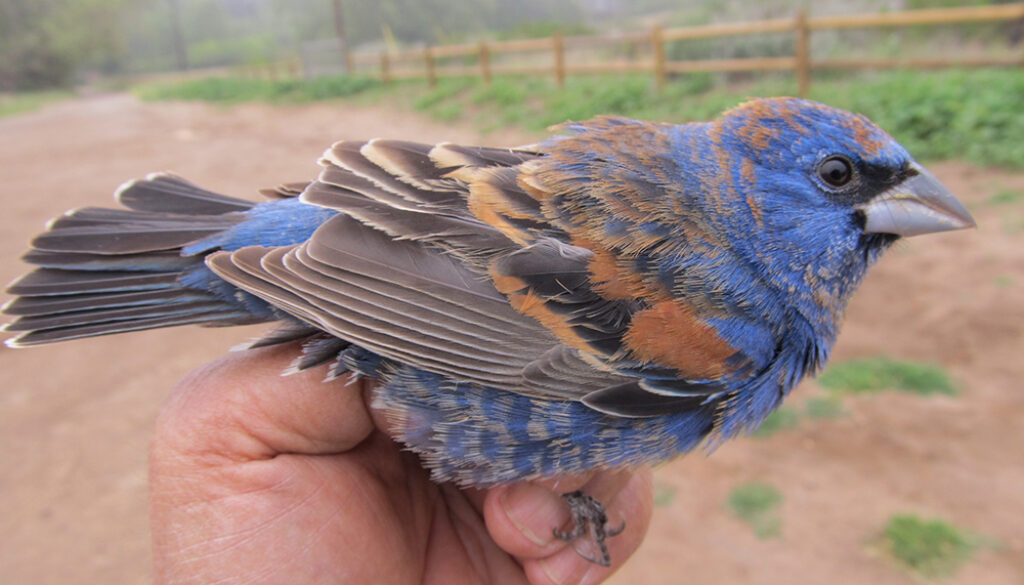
(781, 419)
(932, 548)
(824, 407)
(881, 373)
(756, 503)
(1006, 196)
(20, 103)
(233, 90)
(663, 495)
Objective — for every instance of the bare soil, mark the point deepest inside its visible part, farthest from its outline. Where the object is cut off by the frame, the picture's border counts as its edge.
(75, 419)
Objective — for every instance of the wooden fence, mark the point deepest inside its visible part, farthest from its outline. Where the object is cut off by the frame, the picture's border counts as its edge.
(426, 62)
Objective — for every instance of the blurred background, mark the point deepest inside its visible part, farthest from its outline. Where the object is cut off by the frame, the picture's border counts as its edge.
(900, 464)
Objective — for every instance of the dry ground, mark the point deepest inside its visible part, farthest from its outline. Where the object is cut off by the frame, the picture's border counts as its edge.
(75, 418)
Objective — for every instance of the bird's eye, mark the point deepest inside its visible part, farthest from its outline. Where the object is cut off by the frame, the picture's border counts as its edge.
(836, 171)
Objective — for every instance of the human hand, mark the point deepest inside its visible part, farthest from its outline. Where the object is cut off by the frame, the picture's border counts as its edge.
(259, 478)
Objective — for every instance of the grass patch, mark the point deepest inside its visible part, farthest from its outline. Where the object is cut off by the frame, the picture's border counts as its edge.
(931, 548)
(663, 496)
(781, 419)
(971, 115)
(964, 114)
(1004, 281)
(234, 90)
(1006, 197)
(881, 373)
(824, 407)
(21, 103)
(757, 503)
(1012, 226)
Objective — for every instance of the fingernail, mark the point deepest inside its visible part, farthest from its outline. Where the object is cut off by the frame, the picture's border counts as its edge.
(534, 511)
(565, 570)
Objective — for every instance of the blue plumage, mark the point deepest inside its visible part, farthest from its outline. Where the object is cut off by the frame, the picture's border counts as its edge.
(613, 296)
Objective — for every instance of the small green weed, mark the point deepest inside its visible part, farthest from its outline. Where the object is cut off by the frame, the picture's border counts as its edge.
(21, 103)
(756, 503)
(1003, 281)
(1006, 197)
(824, 407)
(233, 90)
(1012, 226)
(446, 89)
(782, 419)
(447, 112)
(881, 373)
(931, 548)
(663, 496)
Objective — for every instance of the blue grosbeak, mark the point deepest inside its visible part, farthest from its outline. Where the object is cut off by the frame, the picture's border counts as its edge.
(610, 297)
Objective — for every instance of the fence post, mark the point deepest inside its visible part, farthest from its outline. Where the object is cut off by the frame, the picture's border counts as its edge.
(428, 57)
(803, 53)
(658, 44)
(385, 67)
(485, 63)
(558, 45)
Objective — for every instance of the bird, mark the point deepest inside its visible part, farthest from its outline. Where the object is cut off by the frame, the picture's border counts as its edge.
(615, 295)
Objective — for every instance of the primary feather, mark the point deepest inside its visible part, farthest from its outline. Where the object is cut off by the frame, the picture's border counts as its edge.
(612, 296)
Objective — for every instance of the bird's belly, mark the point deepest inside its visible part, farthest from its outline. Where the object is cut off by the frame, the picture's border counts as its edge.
(475, 435)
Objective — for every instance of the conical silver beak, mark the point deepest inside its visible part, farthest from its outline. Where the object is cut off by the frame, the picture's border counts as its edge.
(918, 205)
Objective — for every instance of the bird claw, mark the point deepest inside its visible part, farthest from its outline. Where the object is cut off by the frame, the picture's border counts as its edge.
(589, 516)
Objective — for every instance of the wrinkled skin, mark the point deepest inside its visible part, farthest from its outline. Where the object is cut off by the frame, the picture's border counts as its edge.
(259, 478)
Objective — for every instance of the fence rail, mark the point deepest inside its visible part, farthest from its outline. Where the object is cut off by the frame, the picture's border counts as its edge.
(479, 58)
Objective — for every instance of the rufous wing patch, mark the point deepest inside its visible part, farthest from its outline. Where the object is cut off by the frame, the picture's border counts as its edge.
(530, 304)
(670, 334)
(609, 278)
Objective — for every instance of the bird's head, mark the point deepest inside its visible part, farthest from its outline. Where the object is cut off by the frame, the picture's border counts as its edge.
(805, 158)
(815, 193)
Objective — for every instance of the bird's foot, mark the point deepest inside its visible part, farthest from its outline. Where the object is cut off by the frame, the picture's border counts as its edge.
(589, 518)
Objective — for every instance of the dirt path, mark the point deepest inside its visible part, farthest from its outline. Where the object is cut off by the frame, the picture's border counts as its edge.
(75, 418)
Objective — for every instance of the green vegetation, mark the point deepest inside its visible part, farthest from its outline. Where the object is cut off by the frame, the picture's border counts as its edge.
(1006, 197)
(233, 90)
(756, 503)
(1012, 226)
(19, 103)
(970, 115)
(881, 373)
(783, 418)
(663, 496)
(931, 548)
(545, 29)
(54, 43)
(824, 407)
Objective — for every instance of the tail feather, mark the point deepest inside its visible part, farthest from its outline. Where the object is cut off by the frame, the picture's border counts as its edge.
(105, 271)
(117, 231)
(168, 193)
(211, 318)
(162, 261)
(112, 314)
(57, 304)
(49, 281)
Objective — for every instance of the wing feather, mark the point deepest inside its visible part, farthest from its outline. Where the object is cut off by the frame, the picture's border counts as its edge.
(443, 258)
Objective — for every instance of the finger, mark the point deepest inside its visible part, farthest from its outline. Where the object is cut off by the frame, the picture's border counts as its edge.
(240, 407)
(522, 517)
(633, 504)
